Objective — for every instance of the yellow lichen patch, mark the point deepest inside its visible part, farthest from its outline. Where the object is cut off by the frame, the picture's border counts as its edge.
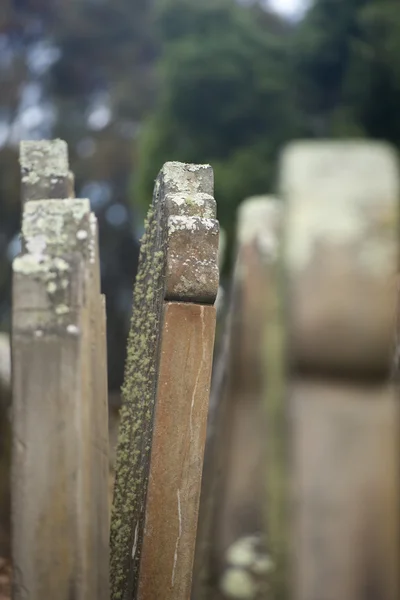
(138, 392)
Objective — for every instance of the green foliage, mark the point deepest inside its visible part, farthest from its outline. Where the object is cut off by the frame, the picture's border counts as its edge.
(236, 83)
(223, 98)
(347, 67)
(106, 45)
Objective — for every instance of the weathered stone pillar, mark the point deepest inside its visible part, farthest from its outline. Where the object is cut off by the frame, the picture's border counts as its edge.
(341, 258)
(231, 545)
(166, 391)
(60, 437)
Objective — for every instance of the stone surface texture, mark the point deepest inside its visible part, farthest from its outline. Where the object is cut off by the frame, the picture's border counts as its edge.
(342, 253)
(45, 170)
(177, 451)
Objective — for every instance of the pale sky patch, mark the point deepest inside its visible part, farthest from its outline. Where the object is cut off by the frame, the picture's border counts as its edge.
(288, 8)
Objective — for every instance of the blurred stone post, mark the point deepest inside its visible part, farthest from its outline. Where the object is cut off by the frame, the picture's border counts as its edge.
(341, 258)
(5, 444)
(232, 510)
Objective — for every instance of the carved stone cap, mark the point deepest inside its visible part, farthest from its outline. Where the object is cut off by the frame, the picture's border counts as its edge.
(341, 254)
(45, 170)
(58, 245)
(192, 232)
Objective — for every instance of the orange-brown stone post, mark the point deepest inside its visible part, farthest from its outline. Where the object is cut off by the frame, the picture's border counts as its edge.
(166, 391)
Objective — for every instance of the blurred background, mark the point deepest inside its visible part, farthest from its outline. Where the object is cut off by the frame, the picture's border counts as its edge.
(130, 84)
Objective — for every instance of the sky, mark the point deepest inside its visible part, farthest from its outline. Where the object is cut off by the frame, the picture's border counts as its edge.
(288, 7)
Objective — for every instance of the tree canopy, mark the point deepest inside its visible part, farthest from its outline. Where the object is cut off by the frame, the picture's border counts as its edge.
(346, 57)
(236, 83)
(223, 98)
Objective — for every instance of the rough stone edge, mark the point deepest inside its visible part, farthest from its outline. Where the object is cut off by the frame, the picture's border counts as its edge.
(187, 178)
(191, 208)
(49, 156)
(51, 263)
(45, 170)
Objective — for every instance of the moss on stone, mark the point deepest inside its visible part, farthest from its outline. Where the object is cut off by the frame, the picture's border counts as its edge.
(138, 392)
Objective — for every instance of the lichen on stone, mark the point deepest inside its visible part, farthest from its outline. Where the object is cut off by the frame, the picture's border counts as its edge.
(52, 248)
(45, 171)
(196, 204)
(191, 224)
(138, 392)
(188, 178)
(44, 158)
